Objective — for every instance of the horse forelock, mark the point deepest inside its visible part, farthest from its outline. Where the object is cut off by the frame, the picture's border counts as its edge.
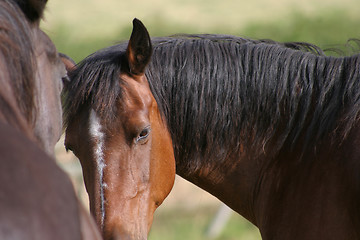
(96, 85)
(18, 63)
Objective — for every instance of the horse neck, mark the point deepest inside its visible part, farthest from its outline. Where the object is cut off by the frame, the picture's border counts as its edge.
(15, 120)
(233, 185)
(313, 186)
(10, 113)
(311, 195)
(16, 70)
(247, 173)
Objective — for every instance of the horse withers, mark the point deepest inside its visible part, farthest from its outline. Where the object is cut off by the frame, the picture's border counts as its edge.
(37, 200)
(271, 129)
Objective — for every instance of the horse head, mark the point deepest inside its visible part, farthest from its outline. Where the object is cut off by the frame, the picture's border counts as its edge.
(123, 144)
(32, 73)
(49, 79)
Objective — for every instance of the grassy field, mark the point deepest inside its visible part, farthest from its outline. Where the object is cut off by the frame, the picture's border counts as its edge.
(81, 27)
(180, 225)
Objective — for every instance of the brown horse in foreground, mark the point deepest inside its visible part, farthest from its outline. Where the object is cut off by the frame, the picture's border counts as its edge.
(271, 129)
(37, 200)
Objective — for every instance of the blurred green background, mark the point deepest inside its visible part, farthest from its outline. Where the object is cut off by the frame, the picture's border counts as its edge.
(81, 27)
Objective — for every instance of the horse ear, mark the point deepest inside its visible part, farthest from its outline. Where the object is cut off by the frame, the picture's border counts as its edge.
(139, 50)
(33, 9)
(70, 66)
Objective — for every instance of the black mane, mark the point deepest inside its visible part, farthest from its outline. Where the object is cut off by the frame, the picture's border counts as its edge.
(221, 94)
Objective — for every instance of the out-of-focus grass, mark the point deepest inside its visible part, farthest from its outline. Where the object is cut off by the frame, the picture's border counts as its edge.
(326, 29)
(178, 224)
(81, 27)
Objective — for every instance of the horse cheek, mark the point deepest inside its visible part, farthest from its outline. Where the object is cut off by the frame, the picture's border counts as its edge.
(162, 159)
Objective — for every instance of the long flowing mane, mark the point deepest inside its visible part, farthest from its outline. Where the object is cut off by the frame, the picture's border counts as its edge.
(223, 95)
(16, 66)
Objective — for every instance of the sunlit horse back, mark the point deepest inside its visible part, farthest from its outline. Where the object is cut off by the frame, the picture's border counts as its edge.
(269, 128)
(37, 200)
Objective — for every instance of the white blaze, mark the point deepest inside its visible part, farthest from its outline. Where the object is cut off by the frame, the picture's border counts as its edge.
(98, 136)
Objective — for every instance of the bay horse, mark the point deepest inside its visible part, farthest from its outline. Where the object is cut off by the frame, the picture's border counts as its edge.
(271, 129)
(37, 200)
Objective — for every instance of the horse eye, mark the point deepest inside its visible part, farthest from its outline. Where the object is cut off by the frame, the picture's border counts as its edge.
(143, 135)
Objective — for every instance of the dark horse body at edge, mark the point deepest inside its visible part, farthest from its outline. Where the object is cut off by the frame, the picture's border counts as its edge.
(37, 199)
(271, 130)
